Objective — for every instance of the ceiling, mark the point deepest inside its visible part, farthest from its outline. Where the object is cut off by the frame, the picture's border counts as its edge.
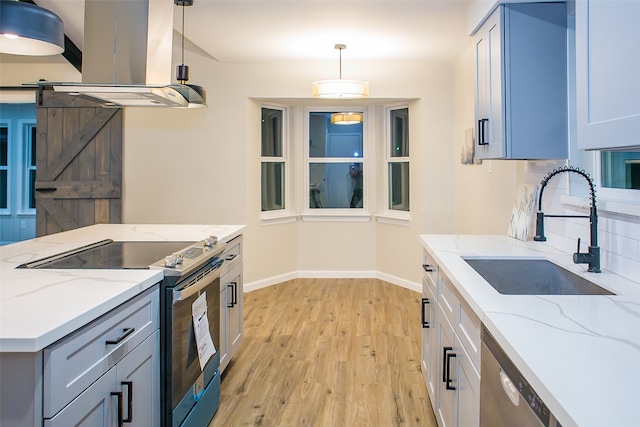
(259, 31)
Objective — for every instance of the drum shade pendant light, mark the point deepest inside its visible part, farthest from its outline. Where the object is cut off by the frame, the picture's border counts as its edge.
(26, 29)
(340, 89)
(350, 118)
(182, 71)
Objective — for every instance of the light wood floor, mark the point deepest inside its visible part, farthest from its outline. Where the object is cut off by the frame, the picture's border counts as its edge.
(327, 352)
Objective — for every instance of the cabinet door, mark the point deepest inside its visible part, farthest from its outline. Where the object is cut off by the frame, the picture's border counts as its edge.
(234, 307)
(447, 365)
(429, 328)
(94, 407)
(138, 378)
(489, 88)
(607, 70)
(468, 389)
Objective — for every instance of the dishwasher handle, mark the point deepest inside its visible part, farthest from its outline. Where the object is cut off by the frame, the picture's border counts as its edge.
(509, 388)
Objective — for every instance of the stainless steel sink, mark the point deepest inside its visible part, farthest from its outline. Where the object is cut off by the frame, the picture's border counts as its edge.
(525, 276)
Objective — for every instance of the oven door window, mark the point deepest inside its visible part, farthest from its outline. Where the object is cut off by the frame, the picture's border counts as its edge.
(185, 366)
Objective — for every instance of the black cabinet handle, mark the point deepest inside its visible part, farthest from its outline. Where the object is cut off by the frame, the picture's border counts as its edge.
(125, 333)
(119, 395)
(481, 132)
(445, 371)
(234, 294)
(427, 268)
(129, 386)
(425, 322)
(448, 371)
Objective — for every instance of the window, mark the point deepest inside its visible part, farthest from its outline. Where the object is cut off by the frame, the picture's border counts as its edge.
(273, 159)
(620, 169)
(4, 167)
(398, 159)
(30, 167)
(336, 163)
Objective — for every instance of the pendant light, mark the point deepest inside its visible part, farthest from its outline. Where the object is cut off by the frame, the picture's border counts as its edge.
(350, 118)
(340, 89)
(26, 29)
(182, 71)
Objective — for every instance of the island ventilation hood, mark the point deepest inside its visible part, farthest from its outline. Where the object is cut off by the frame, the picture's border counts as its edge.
(126, 59)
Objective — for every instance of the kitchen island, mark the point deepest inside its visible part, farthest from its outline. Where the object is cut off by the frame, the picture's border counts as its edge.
(54, 323)
(580, 353)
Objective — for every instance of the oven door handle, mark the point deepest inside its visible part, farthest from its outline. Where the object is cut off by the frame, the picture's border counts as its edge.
(193, 289)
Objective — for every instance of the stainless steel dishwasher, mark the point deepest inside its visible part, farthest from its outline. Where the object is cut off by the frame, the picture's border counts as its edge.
(506, 398)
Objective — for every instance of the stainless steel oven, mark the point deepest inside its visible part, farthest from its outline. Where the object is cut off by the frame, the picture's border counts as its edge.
(190, 393)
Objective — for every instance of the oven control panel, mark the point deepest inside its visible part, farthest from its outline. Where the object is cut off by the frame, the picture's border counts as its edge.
(181, 262)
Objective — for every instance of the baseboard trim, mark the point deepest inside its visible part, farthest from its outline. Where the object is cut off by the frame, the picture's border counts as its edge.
(312, 274)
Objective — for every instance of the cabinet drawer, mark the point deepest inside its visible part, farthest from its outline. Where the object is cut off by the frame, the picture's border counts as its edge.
(465, 323)
(233, 253)
(430, 269)
(75, 362)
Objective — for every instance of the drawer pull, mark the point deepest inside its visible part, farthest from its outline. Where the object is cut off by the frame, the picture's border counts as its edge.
(129, 386)
(230, 257)
(234, 294)
(427, 268)
(125, 333)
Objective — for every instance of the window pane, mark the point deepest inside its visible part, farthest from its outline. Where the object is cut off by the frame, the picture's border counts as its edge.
(399, 132)
(4, 145)
(33, 147)
(399, 186)
(32, 188)
(3, 189)
(621, 169)
(272, 176)
(332, 140)
(335, 185)
(271, 132)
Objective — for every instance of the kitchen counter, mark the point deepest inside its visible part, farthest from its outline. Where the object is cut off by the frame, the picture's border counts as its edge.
(38, 307)
(580, 353)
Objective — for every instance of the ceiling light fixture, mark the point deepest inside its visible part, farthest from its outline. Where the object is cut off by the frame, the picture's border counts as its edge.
(182, 71)
(26, 29)
(350, 118)
(340, 89)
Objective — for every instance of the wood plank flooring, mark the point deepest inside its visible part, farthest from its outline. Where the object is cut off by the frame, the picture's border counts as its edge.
(327, 352)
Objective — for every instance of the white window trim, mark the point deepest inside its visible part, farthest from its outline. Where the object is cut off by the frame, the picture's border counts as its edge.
(393, 216)
(347, 214)
(24, 176)
(280, 216)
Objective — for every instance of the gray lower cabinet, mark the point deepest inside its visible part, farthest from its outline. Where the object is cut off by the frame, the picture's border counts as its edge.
(450, 350)
(231, 302)
(131, 387)
(77, 381)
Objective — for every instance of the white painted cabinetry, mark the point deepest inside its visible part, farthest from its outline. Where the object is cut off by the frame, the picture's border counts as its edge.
(451, 364)
(521, 83)
(86, 379)
(607, 70)
(231, 299)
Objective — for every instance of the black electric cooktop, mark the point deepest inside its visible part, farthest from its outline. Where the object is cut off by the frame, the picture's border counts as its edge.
(114, 255)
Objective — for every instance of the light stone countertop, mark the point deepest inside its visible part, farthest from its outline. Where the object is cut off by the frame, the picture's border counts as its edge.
(581, 354)
(38, 307)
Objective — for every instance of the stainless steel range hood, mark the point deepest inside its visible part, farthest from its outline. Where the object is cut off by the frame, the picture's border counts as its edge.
(127, 56)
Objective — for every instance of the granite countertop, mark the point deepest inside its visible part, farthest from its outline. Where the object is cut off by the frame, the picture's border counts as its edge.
(38, 307)
(580, 353)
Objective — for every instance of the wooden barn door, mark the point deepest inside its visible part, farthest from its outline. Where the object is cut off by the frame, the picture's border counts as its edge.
(78, 163)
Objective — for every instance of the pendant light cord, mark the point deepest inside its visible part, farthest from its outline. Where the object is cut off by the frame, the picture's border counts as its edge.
(182, 33)
(340, 49)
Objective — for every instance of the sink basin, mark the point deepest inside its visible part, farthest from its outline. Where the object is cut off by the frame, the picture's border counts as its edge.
(518, 276)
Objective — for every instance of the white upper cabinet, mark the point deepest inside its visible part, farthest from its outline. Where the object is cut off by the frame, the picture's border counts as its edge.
(608, 74)
(521, 83)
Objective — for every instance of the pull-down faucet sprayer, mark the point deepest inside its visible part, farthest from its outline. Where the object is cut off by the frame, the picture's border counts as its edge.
(593, 256)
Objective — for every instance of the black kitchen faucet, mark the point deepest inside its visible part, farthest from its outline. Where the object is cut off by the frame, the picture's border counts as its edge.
(593, 256)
